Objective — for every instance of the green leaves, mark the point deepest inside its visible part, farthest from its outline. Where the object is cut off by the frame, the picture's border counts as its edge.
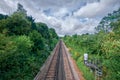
(7, 47)
(105, 46)
(38, 40)
(24, 45)
(16, 24)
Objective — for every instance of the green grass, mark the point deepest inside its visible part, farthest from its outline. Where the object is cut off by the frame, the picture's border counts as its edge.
(88, 75)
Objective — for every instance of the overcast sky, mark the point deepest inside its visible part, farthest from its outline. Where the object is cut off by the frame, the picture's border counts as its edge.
(67, 17)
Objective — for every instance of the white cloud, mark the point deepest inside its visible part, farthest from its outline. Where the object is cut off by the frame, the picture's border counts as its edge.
(97, 8)
(7, 6)
(61, 12)
(65, 16)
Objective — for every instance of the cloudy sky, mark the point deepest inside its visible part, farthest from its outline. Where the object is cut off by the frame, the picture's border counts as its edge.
(67, 17)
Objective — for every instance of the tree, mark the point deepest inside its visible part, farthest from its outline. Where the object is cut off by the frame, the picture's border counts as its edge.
(52, 33)
(3, 16)
(43, 29)
(24, 44)
(38, 41)
(17, 24)
(53, 38)
(21, 9)
(32, 20)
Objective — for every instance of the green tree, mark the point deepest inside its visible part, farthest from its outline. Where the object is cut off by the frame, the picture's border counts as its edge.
(3, 16)
(38, 40)
(43, 30)
(18, 24)
(24, 44)
(20, 9)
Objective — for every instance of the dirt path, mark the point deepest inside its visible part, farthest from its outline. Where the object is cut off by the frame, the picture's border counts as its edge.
(80, 74)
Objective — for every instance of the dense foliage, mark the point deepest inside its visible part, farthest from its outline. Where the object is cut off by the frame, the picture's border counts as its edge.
(24, 45)
(104, 46)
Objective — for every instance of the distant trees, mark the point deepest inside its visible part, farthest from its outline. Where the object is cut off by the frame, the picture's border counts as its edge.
(107, 20)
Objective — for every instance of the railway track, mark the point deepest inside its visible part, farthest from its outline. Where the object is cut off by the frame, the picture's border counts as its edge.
(57, 66)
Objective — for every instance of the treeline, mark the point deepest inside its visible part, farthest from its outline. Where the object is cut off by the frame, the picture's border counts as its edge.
(104, 24)
(104, 46)
(24, 45)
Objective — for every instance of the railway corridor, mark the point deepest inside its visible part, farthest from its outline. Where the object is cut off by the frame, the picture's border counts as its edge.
(58, 66)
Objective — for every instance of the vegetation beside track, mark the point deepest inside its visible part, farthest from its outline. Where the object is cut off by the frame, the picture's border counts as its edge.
(24, 45)
(103, 45)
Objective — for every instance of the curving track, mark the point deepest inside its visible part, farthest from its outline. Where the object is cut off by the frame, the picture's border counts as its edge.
(57, 66)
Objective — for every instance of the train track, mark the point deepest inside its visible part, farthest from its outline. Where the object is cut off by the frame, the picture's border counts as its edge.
(57, 66)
